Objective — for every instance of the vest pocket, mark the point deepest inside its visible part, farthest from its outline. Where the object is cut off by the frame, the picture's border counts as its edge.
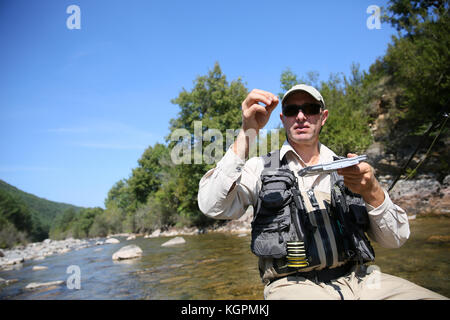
(272, 220)
(270, 233)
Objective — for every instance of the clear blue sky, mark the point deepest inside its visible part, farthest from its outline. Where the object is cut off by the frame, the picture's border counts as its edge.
(79, 107)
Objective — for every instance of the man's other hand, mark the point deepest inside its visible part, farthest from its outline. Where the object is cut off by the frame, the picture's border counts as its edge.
(360, 179)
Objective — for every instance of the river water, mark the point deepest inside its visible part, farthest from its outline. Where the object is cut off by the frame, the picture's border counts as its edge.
(209, 266)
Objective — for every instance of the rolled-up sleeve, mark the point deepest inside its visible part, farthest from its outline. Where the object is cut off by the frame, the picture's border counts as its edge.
(226, 191)
(389, 224)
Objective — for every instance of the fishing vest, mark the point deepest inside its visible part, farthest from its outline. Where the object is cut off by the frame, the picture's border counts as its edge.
(303, 230)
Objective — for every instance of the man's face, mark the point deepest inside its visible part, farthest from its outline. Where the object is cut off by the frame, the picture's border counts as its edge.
(303, 129)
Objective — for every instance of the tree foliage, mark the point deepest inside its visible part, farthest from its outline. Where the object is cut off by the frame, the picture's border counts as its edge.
(15, 221)
(146, 178)
(74, 224)
(418, 61)
(217, 104)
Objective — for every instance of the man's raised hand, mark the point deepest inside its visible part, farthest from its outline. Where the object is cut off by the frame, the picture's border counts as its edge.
(254, 115)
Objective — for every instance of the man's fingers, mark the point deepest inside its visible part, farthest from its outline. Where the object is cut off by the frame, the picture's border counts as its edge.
(257, 107)
(356, 169)
(353, 170)
(255, 97)
(273, 105)
(249, 112)
(266, 93)
(352, 180)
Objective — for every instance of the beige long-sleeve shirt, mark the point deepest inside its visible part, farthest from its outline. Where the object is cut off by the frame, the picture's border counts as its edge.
(226, 191)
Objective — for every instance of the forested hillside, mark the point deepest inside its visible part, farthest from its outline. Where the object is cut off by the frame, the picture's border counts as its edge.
(24, 216)
(46, 210)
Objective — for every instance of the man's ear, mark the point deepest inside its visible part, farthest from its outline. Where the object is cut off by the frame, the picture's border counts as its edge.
(324, 116)
(281, 116)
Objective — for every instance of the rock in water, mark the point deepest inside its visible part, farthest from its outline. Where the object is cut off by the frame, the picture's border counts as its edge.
(128, 252)
(174, 241)
(112, 241)
(38, 268)
(438, 239)
(35, 285)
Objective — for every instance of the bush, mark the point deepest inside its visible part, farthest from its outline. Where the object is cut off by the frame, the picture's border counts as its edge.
(10, 236)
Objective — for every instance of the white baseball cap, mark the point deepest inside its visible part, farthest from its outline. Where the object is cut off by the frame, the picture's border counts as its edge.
(303, 87)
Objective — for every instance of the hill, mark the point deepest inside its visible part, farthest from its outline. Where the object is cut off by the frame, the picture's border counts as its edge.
(45, 210)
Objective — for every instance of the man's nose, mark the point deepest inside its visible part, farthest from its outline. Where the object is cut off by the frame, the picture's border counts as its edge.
(300, 115)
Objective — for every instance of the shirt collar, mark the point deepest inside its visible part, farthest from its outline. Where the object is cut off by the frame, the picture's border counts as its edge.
(326, 155)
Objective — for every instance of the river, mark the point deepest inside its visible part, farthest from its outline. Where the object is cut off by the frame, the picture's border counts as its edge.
(208, 266)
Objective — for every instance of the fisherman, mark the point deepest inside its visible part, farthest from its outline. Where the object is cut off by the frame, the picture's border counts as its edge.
(309, 232)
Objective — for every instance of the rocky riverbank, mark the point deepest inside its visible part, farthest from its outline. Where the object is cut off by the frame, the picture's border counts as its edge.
(12, 258)
(239, 226)
(424, 195)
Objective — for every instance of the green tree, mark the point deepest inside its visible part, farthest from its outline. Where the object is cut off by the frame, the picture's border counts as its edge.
(100, 227)
(408, 16)
(62, 224)
(418, 59)
(146, 178)
(288, 79)
(416, 74)
(16, 212)
(217, 104)
(84, 221)
(121, 196)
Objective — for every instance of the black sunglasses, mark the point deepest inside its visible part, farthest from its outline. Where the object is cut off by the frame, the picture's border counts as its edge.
(308, 109)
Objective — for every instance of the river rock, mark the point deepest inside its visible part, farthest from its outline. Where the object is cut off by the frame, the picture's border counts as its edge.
(39, 268)
(112, 241)
(446, 181)
(438, 239)
(35, 285)
(15, 261)
(174, 241)
(155, 233)
(7, 282)
(132, 237)
(127, 252)
(241, 225)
